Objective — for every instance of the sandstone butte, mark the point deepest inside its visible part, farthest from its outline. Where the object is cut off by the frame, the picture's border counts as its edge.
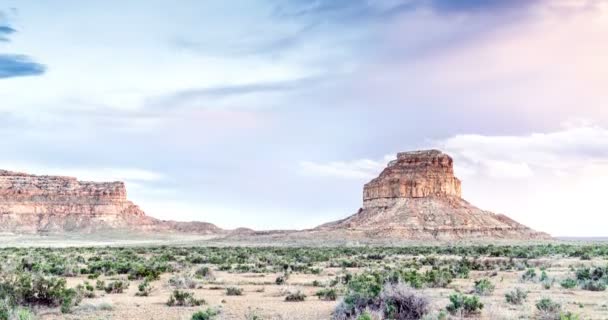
(418, 197)
(54, 204)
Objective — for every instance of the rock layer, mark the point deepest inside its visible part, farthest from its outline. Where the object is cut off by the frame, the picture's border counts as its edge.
(42, 204)
(418, 197)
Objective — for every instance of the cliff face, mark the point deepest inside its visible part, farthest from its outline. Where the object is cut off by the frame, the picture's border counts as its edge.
(417, 174)
(418, 197)
(40, 204)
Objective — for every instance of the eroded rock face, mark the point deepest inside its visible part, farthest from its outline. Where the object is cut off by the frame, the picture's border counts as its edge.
(35, 204)
(417, 174)
(418, 197)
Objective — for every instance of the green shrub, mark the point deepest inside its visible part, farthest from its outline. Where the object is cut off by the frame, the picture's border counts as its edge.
(328, 294)
(234, 291)
(569, 316)
(297, 296)
(517, 296)
(26, 289)
(548, 309)
(144, 289)
(464, 305)
(203, 272)
(117, 286)
(484, 287)
(208, 314)
(593, 285)
(365, 316)
(529, 275)
(183, 299)
(100, 285)
(568, 283)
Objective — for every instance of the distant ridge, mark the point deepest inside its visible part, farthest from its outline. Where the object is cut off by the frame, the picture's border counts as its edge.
(56, 204)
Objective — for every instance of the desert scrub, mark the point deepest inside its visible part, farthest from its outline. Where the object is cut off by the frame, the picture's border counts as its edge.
(593, 285)
(182, 282)
(144, 289)
(517, 296)
(327, 294)
(568, 283)
(118, 286)
(392, 301)
(465, 306)
(204, 273)
(484, 287)
(183, 299)
(25, 289)
(208, 314)
(548, 309)
(234, 291)
(296, 296)
(529, 275)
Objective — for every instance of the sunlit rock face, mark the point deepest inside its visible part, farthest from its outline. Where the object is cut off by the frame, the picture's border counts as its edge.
(417, 174)
(35, 204)
(417, 196)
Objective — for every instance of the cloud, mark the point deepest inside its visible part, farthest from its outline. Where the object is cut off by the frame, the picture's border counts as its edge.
(88, 174)
(355, 169)
(557, 153)
(13, 65)
(5, 31)
(16, 65)
(551, 181)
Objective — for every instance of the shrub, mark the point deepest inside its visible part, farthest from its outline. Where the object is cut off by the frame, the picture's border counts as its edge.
(204, 272)
(297, 296)
(569, 316)
(100, 285)
(280, 280)
(484, 287)
(144, 289)
(234, 291)
(182, 282)
(529, 275)
(328, 294)
(548, 310)
(400, 302)
(117, 286)
(568, 283)
(205, 315)
(464, 305)
(393, 301)
(183, 299)
(36, 290)
(593, 285)
(544, 276)
(517, 296)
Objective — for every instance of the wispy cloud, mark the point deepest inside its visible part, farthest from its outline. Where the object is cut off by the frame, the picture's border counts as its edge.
(355, 169)
(205, 96)
(14, 65)
(5, 31)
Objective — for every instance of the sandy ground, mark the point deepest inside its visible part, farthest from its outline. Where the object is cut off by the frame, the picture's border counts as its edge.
(264, 298)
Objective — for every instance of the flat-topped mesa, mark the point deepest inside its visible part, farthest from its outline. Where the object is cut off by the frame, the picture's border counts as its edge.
(417, 174)
(47, 204)
(23, 187)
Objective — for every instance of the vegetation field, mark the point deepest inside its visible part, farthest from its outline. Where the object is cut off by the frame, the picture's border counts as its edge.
(550, 281)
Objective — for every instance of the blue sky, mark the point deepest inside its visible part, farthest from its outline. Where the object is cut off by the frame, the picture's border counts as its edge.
(272, 114)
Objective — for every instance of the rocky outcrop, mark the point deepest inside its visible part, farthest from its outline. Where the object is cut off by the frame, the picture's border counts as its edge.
(43, 204)
(418, 197)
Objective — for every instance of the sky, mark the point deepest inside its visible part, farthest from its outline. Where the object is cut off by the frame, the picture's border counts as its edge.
(272, 114)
